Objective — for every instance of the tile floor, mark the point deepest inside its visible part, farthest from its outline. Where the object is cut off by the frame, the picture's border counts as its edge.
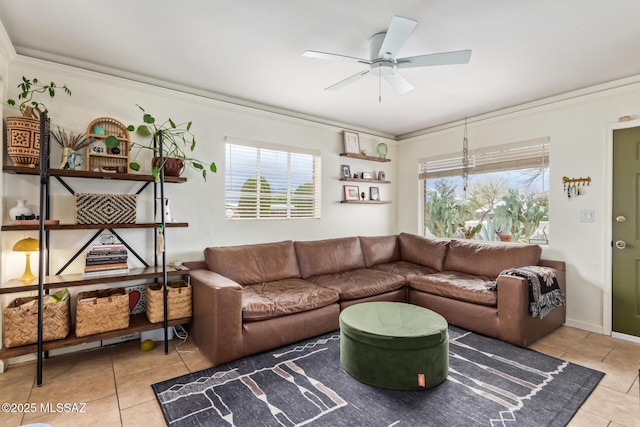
(114, 382)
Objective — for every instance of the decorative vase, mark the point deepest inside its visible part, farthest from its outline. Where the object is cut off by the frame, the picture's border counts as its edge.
(23, 141)
(382, 150)
(167, 212)
(20, 209)
(172, 166)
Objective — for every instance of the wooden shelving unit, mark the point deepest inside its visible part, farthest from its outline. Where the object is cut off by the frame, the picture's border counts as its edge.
(137, 323)
(45, 282)
(23, 227)
(363, 157)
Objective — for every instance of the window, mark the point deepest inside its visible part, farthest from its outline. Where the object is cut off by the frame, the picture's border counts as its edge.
(506, 199)
(267, 181)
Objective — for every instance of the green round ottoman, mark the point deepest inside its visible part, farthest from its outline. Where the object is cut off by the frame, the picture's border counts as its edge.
(394, 345)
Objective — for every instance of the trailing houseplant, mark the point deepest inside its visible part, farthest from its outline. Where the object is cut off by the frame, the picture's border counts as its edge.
(23, 134)
(177, 143)
(30, 87)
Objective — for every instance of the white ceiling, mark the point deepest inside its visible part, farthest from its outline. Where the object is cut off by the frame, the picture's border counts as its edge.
(251, 50)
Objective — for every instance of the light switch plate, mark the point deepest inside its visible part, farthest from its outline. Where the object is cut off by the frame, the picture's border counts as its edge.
(586, 215)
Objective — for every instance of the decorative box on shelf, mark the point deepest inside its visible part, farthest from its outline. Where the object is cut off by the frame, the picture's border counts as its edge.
(92, 208)
(102, 157)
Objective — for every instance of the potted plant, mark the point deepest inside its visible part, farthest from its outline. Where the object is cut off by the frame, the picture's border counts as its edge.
(470, 231)
(23, 140)
(177, 143)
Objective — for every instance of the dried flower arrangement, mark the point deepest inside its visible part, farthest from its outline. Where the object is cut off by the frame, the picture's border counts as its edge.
(70, 143)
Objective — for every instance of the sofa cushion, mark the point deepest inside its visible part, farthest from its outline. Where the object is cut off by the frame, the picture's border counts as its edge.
(329, 256)
(459, 286)
(405, 269)
(379, 249)
(489, 259)
(251, 264)
(361, 283)
(274, 299)
(421, 250)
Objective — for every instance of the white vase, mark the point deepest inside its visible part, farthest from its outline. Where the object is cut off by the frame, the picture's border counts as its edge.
(20, 209)
(167, 213)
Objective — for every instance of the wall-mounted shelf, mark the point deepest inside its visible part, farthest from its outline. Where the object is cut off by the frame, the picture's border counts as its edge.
(363, 157)
(366, 202)
(373, 181)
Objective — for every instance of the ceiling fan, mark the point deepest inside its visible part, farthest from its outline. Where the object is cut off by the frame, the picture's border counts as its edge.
(383, 48)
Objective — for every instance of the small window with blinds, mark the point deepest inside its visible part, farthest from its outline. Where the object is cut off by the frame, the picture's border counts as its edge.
(506, 198)
(269, 181)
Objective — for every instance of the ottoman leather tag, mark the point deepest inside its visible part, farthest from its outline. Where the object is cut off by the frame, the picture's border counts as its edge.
(421, 380)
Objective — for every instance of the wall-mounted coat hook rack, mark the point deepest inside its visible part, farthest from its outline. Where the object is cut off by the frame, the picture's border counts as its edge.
(571, 186)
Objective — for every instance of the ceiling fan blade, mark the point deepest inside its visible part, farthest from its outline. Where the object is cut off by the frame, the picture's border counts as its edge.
(399, 31)
(348, 80)
(443, 58)
(399, 83)
(334, 57)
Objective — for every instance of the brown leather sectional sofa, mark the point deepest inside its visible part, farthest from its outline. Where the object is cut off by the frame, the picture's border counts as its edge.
(248, 299)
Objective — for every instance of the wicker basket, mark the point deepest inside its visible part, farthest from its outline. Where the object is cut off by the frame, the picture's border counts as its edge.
(106, 208)
(21, 321)
(101, 311)
(178, 301)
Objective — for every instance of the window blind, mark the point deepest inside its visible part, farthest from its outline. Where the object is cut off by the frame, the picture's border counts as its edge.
(532, 153)
(270, 181)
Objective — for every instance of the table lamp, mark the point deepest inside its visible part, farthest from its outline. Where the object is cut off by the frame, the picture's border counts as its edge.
(27, 246)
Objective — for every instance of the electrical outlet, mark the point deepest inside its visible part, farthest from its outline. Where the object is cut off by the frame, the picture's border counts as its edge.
(586, 215)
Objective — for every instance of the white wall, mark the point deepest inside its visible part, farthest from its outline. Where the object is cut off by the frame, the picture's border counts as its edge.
(197, 202)
(576, 127)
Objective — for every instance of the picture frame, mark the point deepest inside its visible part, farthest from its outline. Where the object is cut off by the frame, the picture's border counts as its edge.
(351, 142)
(367, 175)
(345, 171)
(374, 193)
(381, 176)
(351, 192)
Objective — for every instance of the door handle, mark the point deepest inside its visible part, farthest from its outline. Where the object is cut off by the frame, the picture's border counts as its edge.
(621, 244)
(621, 218)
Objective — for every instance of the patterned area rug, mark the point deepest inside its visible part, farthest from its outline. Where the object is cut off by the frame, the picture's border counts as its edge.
(490, 383)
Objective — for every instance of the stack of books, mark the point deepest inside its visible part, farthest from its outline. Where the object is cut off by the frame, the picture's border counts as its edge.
(106, 259)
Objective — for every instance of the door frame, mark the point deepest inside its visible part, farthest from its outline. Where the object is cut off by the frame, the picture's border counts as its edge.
(607, 311)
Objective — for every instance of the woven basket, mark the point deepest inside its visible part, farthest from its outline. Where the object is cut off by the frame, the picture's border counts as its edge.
(106, 208)
(178, 301)
(21, 323)
(101, 311)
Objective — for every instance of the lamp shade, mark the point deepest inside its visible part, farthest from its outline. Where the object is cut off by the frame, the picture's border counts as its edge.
(27, 245)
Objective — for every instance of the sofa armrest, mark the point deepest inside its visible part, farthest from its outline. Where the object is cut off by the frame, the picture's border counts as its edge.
(217, 315)
(515, 322)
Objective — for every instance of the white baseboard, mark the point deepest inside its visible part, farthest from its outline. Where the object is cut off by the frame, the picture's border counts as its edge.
(598, 329)
(632, 338)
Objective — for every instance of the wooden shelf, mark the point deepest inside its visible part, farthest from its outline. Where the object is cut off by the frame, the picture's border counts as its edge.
(373, 181)
(12, 227)
(363, 157)
(74, 173)
(366, 202)
(76, 279)
(137, 323)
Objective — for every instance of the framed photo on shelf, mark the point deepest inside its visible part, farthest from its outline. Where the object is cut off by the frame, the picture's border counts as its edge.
(351, 192)
(374, 193)
(381, 176)
(345, 171)
(351, 142)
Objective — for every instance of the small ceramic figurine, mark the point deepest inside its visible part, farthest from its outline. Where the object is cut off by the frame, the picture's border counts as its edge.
(363, 195)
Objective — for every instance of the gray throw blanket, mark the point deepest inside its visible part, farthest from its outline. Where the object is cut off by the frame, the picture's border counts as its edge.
(544, 292)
